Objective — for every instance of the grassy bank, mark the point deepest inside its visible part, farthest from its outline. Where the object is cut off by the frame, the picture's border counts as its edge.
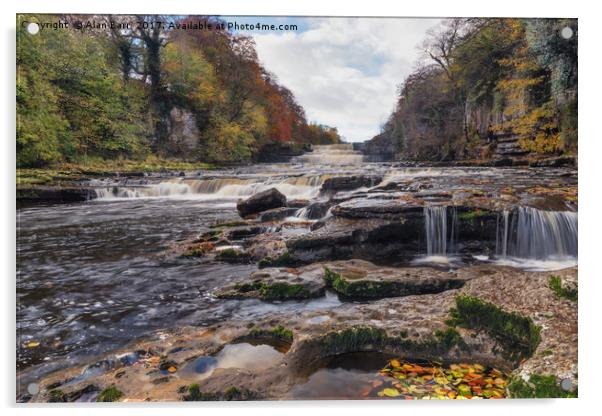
(100, 167)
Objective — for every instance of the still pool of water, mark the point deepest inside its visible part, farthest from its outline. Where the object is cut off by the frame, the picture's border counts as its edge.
(242, 355)
(368, 375)
(347, 376)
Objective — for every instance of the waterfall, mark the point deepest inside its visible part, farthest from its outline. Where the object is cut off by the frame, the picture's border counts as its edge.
(298, 187)
(435, 222)
(333, 154)
(535, 234)
(302, 213)
(502, 234)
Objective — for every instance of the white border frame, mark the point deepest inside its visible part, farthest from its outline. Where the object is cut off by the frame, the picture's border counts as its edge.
(590, 150)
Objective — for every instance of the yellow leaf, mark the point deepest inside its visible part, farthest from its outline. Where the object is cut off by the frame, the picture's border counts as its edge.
(33, 344)
(441, 380)
(391, 392)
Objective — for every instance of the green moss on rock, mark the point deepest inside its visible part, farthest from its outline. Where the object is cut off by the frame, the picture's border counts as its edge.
(283, 291)
(450, 337)
(376, 339)
(540, 387)
(196, 395)
(472, 215)
(56, 396)
(283, 260)
(231, 255)
(367, 288)
(516, 333)
(279, 333)
(555, 284)
(268, 291)
(109, 394)
(246, 287)
(231, 393)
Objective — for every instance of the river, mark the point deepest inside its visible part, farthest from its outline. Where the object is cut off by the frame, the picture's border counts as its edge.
(90, 275)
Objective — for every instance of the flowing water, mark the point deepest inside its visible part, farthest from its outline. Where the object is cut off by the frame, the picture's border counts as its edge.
(532, 239)
(440, 238)
(336, 154)
(90, 276)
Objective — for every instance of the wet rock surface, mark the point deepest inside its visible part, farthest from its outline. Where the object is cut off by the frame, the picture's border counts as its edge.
(260, 202)
(358, 279)
(351, 279)
(274, 284)
(345, 183)
(413, 327)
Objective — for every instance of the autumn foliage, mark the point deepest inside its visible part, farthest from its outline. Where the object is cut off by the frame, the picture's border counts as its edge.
(131, 93)
(483, 80)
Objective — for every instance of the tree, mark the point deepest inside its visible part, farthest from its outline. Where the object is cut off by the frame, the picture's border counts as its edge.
(41, 128)
(486, 78)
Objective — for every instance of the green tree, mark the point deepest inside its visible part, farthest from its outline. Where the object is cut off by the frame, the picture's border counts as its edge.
(41, 128)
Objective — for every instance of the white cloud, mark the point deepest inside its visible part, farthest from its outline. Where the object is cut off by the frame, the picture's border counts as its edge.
(345, 71)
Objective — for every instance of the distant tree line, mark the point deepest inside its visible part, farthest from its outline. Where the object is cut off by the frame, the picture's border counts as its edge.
(119, 92)
(484, 79)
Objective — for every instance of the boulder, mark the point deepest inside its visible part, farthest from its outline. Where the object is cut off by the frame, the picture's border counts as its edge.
(271, 198)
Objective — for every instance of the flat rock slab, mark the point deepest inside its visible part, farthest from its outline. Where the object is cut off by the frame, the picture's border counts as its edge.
(361, 279)
(353, 279)
(343, 183)
(275, 284)
(389, 209)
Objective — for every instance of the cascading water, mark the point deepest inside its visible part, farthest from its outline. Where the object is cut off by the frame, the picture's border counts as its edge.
(303, 186)
(298, 187)
(436, 228)
(535, 234)
(333, 154)
(435, 222)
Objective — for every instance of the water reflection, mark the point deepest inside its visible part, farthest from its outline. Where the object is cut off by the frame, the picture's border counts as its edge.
(243, 355)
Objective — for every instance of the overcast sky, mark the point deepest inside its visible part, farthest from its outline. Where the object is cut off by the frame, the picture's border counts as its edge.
(344, 71)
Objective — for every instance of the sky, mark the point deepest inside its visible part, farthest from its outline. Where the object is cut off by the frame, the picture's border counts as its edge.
(344, 71)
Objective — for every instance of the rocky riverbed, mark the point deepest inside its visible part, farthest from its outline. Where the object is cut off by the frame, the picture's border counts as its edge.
(278, 281)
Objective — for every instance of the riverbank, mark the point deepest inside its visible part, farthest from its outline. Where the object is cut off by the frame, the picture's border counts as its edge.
(55, 174)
